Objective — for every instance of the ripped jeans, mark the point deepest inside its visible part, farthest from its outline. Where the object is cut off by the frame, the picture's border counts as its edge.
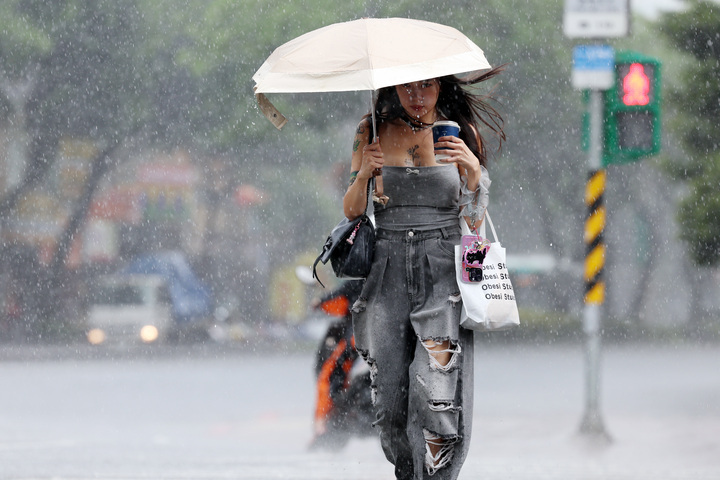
(406, 325)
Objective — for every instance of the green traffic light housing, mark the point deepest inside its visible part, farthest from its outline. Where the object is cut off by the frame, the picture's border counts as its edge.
(632, 109)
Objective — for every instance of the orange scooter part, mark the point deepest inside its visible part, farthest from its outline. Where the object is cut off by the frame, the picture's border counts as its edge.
(336, 307)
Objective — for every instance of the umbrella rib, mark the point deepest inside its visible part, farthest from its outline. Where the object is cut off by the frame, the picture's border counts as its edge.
(371, 69)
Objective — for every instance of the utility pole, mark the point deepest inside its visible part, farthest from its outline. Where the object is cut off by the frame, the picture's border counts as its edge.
(594, 72)
(624, 109)
(623, 99)
(592, 423)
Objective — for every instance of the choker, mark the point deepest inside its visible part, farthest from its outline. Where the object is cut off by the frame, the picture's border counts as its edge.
(415, 125)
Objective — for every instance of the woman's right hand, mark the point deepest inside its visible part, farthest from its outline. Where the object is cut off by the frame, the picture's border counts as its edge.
(367, 161)
(372, 160)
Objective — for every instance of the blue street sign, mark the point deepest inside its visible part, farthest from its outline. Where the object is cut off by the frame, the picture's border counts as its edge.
(593, 67)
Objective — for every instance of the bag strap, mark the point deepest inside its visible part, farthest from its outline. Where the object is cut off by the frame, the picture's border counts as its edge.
(370, 187)
(492, 227)
(314, 268)
(465, 229)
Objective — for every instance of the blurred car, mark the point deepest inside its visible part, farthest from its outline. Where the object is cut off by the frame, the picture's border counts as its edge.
(192, 303)
(127, 306)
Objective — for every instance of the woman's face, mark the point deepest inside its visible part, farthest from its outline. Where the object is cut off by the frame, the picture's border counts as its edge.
(419, 98)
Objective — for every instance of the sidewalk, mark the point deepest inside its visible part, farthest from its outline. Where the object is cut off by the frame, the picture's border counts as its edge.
(660, 406)
(228, 414)
(524, 449)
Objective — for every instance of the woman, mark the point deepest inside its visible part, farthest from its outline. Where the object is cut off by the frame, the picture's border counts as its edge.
(407, 317)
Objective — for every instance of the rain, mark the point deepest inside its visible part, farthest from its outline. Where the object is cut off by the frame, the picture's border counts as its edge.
(158, 317)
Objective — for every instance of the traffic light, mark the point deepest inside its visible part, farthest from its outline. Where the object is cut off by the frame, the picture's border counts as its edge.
(632, 109)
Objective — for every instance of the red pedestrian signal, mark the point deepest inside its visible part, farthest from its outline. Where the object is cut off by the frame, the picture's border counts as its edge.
(636, 86)
(632, 109)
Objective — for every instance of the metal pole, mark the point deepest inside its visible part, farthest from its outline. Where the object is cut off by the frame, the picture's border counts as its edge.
(592, 423)
(596, 135)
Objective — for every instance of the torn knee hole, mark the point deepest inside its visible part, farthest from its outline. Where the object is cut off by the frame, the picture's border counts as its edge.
(454, 298)
(443, 406)
(359, 306)
(443, 353)
(372, 365)
(439, 451)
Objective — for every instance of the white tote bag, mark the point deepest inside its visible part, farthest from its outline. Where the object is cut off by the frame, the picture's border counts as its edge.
(488, 305)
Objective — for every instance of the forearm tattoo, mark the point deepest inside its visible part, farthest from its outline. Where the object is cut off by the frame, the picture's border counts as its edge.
(353, 177)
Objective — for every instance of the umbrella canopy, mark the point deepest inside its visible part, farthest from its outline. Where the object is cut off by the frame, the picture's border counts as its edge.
(368, 54)
(365, 54)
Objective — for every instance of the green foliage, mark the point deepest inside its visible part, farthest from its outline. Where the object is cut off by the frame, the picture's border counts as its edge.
(80, 57)
(699, 214)
(700, 100)
(23, 42)
(228, 44)
(696, 31)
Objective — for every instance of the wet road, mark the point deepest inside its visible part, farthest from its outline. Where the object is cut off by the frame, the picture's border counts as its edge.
(230, 413)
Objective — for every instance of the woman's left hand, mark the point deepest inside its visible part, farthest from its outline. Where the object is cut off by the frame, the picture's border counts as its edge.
(458, 153)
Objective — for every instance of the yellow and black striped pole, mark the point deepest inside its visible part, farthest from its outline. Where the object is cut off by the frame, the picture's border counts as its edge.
(594, 244)
(592, 423)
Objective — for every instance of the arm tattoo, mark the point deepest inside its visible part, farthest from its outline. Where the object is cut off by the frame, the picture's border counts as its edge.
(358, 133)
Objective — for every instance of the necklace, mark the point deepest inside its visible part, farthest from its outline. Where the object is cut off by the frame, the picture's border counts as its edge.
(414, 124)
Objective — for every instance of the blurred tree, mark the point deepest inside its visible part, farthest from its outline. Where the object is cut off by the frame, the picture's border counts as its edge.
(78, 69)
(696, 31)
(228, 43)
(95, 69)
(82, 71)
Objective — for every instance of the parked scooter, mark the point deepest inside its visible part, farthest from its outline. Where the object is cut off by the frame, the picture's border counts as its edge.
(343, 405)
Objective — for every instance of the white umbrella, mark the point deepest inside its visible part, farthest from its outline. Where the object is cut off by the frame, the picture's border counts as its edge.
(365, 54)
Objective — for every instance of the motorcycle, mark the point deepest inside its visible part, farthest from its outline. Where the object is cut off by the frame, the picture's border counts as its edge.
(343, 405)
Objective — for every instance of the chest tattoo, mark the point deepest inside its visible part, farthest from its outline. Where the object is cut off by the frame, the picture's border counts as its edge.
(414, 159)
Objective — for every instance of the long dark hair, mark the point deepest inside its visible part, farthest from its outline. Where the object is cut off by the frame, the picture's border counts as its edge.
(455, 103)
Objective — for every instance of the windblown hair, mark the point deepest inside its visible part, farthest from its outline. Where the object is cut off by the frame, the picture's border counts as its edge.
(455, 103)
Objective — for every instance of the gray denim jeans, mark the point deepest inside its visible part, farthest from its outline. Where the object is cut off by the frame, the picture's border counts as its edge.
(411, 297)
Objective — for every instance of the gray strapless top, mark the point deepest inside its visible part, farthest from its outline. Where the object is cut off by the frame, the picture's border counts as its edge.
(421, 198)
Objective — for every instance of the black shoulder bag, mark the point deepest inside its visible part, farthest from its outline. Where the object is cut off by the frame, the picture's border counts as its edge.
(350, 247)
